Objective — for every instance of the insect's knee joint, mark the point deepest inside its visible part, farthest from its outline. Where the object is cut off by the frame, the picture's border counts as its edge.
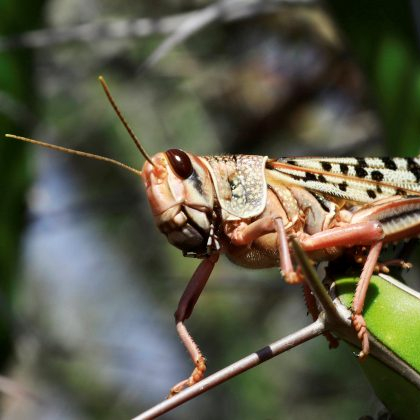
(379, 230)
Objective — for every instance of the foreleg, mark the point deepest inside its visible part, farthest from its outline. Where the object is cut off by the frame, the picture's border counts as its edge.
(185, 307)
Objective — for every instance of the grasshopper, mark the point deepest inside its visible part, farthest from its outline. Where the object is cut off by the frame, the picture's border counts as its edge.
(248, 207)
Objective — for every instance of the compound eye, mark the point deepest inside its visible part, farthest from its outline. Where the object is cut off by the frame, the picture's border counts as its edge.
(180, 163)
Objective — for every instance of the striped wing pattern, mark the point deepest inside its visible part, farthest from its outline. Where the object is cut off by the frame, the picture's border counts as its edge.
(361, 180)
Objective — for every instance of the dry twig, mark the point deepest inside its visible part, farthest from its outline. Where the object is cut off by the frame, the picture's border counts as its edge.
(181, 25)
(254, 359)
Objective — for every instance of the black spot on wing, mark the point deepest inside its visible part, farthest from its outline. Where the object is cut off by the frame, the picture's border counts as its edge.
(343, 186)
(344, 168)
(326, 166)
(296, 177)
(361, 162)
(414, 168)
(371, 194)
(377, 175)
(321, 178)
(309, 176)
(389, 163)
(360, 172)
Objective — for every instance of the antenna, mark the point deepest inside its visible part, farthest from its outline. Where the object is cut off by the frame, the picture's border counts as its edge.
(123, 120)
(75, 152)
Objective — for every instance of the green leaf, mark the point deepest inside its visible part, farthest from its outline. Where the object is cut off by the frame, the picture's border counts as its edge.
(392, 314)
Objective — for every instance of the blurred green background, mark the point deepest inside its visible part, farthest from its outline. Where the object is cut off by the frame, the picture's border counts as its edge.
(88, 286)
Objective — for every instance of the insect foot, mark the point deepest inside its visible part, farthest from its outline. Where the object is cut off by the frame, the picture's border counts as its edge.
(359, 324)
(383, 267)
(293, 277)
(196, 376)
(404, 265)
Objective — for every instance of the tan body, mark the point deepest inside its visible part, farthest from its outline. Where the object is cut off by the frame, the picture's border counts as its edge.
(174, 203)
(179, 206)
(285, 204)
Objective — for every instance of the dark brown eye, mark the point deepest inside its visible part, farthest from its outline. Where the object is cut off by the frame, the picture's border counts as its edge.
(180, 163)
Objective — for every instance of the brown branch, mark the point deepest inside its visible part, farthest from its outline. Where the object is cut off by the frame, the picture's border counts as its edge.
(248, 362)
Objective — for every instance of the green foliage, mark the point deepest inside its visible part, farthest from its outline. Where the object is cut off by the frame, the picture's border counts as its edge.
(16, 88)
(382, 36)
(392, 314)
(400, 396)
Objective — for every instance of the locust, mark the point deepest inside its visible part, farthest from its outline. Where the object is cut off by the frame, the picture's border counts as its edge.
(248, 207)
